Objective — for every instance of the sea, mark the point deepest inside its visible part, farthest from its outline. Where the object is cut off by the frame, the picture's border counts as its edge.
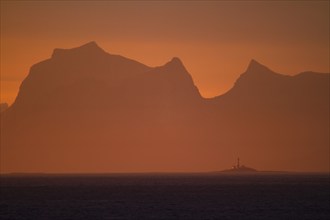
(165, 196)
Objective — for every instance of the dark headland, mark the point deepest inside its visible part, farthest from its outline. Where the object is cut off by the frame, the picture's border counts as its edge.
(240, 168)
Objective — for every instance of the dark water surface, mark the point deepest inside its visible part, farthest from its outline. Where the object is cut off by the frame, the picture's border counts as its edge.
(165, 196)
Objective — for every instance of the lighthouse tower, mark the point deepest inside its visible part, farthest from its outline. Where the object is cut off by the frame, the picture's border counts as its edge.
(237, 166)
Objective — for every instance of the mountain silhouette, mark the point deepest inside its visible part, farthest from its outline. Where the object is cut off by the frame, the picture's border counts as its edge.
(84, 110)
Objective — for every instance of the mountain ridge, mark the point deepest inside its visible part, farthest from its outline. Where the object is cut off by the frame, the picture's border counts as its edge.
(90, 47)
(121, 115)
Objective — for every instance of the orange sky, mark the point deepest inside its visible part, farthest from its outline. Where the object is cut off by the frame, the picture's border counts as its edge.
(214, 39)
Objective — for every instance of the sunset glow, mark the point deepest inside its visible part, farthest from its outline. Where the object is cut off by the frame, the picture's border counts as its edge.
(215, 39)
(156, 109)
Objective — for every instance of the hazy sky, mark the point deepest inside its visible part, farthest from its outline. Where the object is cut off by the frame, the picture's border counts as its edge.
(214, 39)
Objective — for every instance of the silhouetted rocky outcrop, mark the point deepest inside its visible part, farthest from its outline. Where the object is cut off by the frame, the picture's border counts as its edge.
(84, 110)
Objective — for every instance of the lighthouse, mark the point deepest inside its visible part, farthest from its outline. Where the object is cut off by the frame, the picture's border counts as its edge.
(240, 168)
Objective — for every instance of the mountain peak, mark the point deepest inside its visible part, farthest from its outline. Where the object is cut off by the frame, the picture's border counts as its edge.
(255, 66)
(91, 44)
(176, 60)
(256, 74)
(175, 64)
(88, 48)
(254, 62)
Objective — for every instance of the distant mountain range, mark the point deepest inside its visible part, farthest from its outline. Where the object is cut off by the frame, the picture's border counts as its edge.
(84, 110)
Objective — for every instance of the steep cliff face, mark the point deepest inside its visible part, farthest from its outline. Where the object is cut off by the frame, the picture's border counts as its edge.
(84, 110)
